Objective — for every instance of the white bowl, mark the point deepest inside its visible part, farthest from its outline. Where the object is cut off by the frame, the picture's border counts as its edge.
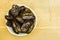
(22, 34)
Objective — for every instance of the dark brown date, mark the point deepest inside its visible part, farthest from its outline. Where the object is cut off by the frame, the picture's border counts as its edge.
(16, 27)
(9, 23)
(19, 19)
(8, 17)
(14, 11)
(27, 10)
(25, 26)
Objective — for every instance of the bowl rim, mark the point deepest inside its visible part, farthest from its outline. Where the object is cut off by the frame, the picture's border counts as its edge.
(23, 34)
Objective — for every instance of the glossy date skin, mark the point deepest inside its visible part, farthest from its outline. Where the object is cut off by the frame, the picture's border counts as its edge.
(21, 19)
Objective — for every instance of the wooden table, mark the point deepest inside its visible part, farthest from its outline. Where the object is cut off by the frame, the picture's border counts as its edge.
(48, 19)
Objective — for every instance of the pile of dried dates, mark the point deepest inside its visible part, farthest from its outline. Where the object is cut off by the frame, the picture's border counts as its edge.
(21, 19)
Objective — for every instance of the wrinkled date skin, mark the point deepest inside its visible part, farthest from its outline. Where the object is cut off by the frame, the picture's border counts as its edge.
(21, 19)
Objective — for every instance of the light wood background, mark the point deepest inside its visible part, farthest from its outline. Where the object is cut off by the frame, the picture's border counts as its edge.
(48, 19)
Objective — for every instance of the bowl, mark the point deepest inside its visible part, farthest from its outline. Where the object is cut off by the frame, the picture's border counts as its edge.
(22, 34)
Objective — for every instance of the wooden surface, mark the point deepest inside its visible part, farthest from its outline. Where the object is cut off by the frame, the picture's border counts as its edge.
(48, 19)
